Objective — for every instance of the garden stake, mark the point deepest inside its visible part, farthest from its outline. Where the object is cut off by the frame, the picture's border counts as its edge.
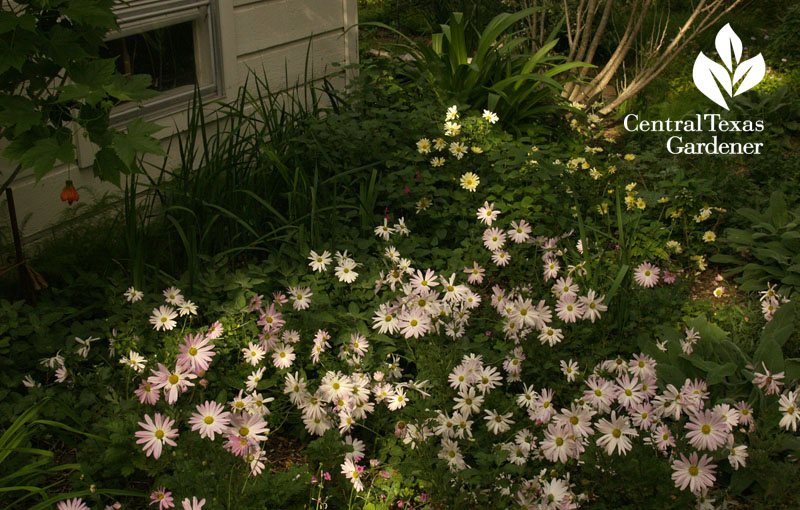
(24, 277)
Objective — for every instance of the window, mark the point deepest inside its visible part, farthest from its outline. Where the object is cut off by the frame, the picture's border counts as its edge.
(176, 43)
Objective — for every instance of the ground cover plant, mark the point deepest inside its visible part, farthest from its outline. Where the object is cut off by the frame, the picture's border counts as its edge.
(440, 306)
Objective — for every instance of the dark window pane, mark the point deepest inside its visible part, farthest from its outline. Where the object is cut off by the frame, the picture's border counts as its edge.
(166, 54)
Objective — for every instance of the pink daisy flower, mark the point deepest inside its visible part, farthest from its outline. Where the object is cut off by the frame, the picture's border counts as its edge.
(424, 281)
(72, 504)
(615, 434)
(475, 273)
(210, 419)
(284, 356)
(501, 258)
(271, 319)
(155, 434)
(646, 275)
(772, 382)
(663, 438)
(238, 445)
(708, 430)
(249, 426)
(193, 504)
(568, 309)
(214, 331)
(414, 323)
(163, 498)
(173, 383)
(745, 413)
(195, 353)
(696, 474)
(147, 393)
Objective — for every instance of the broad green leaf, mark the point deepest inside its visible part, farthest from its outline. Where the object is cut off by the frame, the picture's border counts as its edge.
(670, 374)
(108, 166)
(769, 352)
(19, 112)
(42, 154)
(720, 372)
(780, 328)
(138, 139)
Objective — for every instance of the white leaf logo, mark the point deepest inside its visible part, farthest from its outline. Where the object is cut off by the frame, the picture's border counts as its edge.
(709, 76)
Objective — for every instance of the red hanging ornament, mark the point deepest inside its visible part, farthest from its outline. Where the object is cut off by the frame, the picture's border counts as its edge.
(69, 194)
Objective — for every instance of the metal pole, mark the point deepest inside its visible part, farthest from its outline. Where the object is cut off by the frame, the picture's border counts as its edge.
(24, 278)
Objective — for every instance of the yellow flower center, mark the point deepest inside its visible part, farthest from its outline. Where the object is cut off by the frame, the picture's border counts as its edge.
(159, 434)
(208, 420)
(706, 429)
(244, 431)
(173, 379)
(193, 351)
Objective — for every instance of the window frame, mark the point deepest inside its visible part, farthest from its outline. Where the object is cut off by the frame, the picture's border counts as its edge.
(140, 16)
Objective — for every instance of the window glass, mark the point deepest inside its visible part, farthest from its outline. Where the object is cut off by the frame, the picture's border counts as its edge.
(167, 54)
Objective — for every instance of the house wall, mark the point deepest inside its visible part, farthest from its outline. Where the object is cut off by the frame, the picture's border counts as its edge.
(274, 38)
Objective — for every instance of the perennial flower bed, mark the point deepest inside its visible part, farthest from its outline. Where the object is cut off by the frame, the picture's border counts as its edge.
(498, 369)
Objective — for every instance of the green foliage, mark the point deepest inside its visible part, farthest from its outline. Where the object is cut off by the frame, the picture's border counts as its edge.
(767, 251)
(491, 72)
(28, 471)
(53, 80)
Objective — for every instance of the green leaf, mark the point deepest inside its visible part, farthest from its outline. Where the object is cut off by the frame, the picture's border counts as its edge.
(780, 328)
(19, 112)
(130, 88)
(707, 330)
(108, 166)
(137, 139)
(769, 352)
(720, 372)
(670, 374)
(42, 154)
(792, 366)
(17, 47)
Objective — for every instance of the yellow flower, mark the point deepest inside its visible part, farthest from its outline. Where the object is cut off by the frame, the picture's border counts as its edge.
(477, 150)
(641, 204)
(630, 157)
(630, 201)
(701, 261)
(470, 181)
(423, 204)
(630, 186)
(674, 246)
(663, 200)
(709, 236)
(424, 146)
(612, 169)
